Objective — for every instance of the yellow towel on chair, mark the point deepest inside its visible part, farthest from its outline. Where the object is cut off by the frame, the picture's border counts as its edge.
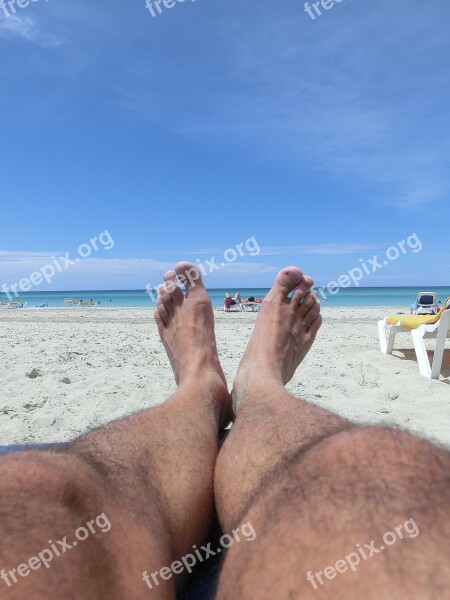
(415, 321)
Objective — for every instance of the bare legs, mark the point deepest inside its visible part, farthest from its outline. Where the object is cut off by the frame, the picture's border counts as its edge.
(150, 476)
(314, 486)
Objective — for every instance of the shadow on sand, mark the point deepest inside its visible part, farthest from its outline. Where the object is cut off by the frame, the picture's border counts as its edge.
(409, 354)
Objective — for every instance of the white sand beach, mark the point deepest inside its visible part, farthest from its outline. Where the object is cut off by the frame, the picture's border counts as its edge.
(66, 371)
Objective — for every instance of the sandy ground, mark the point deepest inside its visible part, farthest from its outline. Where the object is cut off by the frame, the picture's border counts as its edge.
(66, 371)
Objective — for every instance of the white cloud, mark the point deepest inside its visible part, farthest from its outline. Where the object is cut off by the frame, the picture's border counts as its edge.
(99, 272)
(24, 27)
(115, 273)
(192, 251)
(6, 255)
(320, 249)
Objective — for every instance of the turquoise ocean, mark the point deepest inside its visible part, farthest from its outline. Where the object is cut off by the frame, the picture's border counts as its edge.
(379, 296)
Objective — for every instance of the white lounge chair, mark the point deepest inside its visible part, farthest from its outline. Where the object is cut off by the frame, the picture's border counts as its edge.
(250, 306)
(12, 305)
(234, 308)
(426, 304)
(421, 328)
(71, 302)
(440, 331)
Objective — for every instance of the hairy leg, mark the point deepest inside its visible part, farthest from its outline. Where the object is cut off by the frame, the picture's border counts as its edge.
(150, 476)
(318, 491)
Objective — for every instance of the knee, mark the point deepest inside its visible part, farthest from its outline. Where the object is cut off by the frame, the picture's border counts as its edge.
(382, 454)
(387, 444)
(50, 480)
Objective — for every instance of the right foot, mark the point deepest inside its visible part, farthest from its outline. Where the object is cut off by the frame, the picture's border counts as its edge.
(284, 333)
(186, 327)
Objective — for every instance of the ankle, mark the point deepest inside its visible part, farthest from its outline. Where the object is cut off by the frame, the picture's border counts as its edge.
(202, 369)
(255, 383)
(208, 390)
(203, 374)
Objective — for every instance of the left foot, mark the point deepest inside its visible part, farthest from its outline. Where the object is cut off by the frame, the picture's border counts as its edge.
(284, 333)
(186, 327)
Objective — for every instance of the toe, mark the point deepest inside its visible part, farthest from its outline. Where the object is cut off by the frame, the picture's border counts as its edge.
(173, 288)
(189, 276)
(162, 311)
(315, 326)
(303, 288)
(309, 301)
(311, 315)
(159, 321)
(286, 281)
(166, 299)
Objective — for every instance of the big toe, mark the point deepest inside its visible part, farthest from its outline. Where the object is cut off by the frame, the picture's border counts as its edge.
(286, 281)
(190, 277)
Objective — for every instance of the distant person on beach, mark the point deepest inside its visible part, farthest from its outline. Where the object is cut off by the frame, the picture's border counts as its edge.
(324, 508)
(229, 301)
(252, 299)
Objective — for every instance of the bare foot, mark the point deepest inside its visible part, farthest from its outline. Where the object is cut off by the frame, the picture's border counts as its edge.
(186, 327)
(284, 332)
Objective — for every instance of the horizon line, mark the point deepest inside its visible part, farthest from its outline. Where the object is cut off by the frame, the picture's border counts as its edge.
(143, 290)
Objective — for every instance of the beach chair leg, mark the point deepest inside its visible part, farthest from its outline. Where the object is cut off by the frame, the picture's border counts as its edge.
(421, 353)
(444, 332)
(431, 371)
(391, 340)
(438, 355)
(440, 347)
(386, 345)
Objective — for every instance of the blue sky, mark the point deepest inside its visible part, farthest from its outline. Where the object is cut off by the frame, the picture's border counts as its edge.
(326, 140)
